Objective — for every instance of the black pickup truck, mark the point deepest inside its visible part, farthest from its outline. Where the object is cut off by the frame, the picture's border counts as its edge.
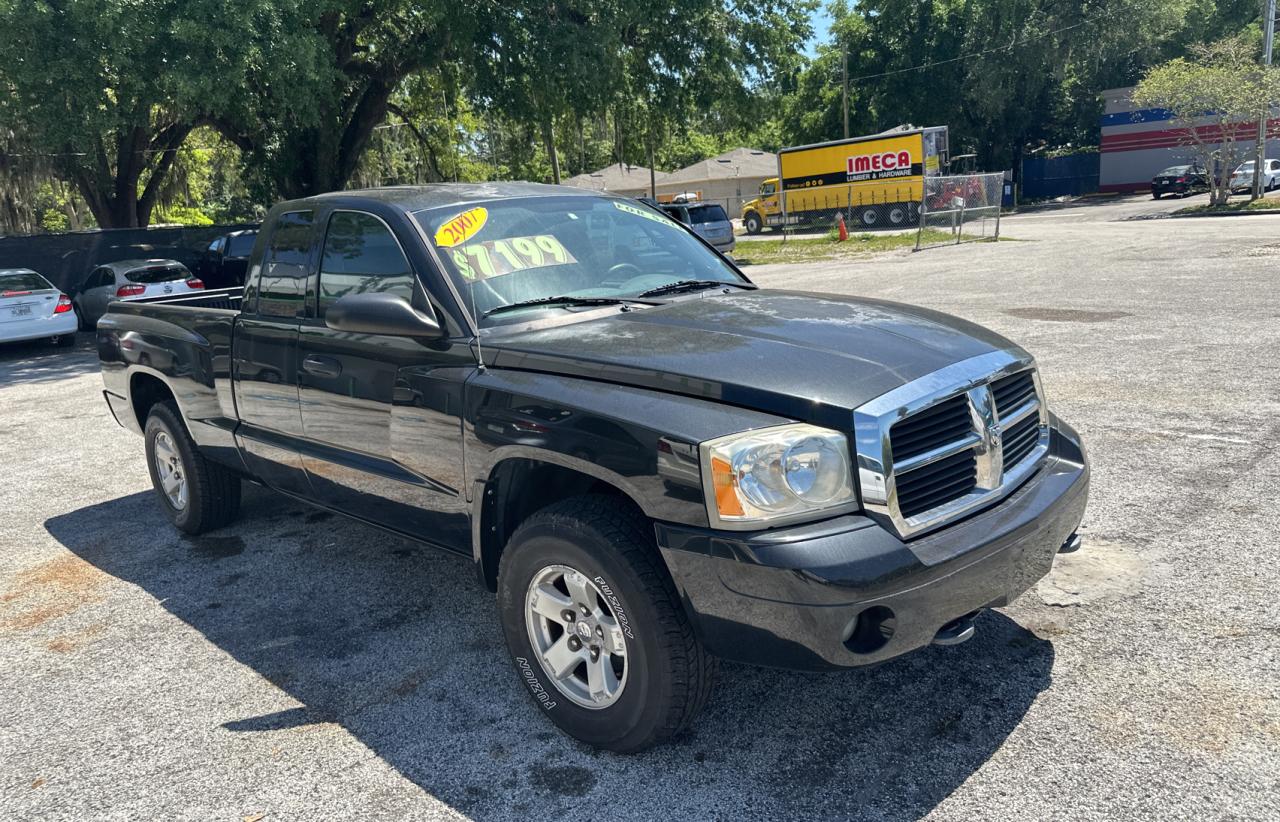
(652, 462)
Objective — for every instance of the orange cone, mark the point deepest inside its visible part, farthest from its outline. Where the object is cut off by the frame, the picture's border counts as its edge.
(844, 232)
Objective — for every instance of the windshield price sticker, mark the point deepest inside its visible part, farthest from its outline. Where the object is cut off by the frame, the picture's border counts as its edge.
(461, 228)
(494, 258)
(643, 212)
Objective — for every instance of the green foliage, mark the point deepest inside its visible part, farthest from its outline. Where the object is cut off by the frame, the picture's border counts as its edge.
(1003, 74)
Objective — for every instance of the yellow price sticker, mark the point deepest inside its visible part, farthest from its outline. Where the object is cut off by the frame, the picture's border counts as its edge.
(461, 228)
(494, 258)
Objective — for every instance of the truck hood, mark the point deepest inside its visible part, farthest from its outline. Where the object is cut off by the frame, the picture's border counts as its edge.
(812, 357)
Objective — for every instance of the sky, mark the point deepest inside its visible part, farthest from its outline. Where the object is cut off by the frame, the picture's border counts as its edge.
(821, 21)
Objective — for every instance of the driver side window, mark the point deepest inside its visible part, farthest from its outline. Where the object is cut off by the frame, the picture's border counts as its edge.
(361, 255)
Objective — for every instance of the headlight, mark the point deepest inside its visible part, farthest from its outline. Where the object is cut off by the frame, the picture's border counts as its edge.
(783, 473)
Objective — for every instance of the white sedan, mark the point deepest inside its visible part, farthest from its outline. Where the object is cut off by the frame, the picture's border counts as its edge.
(131, 280)
(1242, 178)
(32, 309)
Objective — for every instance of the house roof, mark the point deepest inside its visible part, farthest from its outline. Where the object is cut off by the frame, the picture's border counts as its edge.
(737, 162)
(615, 177)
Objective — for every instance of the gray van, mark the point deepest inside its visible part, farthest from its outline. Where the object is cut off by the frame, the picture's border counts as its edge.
(708, 221)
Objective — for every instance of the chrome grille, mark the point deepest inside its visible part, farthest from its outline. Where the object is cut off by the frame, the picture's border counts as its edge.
(951, 442)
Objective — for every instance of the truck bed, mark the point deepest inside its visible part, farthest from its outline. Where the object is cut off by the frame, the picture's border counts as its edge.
(184, 341)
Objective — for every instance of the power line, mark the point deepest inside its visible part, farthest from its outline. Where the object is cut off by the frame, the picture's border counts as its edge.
(994, 50)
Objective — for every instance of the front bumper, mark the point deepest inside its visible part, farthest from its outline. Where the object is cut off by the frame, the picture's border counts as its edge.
(847, 592)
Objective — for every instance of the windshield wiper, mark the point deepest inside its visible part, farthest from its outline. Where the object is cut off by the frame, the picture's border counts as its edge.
(692, 285)
(565, 299)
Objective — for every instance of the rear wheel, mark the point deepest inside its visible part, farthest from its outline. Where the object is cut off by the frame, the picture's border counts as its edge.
(64, 340)
(870, 217)
(596, 629)
(82, 323)
(898, 214)
(1155, 195)
(197, 495)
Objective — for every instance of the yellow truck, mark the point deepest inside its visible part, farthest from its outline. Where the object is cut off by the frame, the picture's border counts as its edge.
(876, 181)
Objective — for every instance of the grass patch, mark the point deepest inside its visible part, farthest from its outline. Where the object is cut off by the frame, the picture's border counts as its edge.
(810, 249)
(1265, 204)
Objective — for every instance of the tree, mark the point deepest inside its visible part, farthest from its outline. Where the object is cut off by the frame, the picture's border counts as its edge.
(305, 119)
(106, 91)
(1215, 97)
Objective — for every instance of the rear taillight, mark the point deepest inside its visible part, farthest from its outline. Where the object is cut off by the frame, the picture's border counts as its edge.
(14, 293)
(1182, 179)
(130, 290)
(195, 282)
(63, 306)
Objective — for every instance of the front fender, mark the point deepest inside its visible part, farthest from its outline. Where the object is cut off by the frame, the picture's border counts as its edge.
(641, 441)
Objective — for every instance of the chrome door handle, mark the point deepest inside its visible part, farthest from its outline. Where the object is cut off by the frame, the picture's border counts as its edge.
(318, 366)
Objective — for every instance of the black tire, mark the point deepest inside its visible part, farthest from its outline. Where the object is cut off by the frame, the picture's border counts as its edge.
(81, 322)
(668, 674)
(870, 217)
(1155, 195)
(898, 214)
(65, 340)
(752, 223)
(213, 492)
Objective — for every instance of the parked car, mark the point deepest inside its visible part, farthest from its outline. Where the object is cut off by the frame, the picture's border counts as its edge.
(224, 263)
(1242, 177)
(32, 309)
(708, 221)
(1180, 180)
(790, 479)
(129, 280)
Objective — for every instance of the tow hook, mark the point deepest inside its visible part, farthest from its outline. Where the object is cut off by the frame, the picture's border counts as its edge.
(1071, 545)
(956, 631)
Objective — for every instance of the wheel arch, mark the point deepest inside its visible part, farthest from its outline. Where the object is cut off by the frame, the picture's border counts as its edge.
(522, 482)
(146, 389)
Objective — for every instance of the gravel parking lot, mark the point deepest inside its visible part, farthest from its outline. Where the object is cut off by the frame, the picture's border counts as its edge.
(298, 666)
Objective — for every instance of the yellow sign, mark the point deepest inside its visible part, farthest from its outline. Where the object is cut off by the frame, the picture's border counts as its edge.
(461, 228)
(494, 258)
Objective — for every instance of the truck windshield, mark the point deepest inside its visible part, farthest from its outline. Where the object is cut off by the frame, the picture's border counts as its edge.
(526, 249)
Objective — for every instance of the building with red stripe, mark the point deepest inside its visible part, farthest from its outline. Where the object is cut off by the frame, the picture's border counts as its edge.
(1137, 143)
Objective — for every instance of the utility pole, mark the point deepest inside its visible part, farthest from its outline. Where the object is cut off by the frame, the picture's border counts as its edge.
(844, 79)
(1268, 35)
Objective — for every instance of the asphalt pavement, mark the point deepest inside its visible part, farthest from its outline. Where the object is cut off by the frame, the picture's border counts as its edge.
(299, 666)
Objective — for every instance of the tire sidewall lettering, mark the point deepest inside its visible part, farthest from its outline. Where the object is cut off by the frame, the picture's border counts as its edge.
(530, 678)
(615, 605)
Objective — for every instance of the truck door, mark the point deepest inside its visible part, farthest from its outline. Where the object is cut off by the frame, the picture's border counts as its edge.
(265, 355)
(382, 414)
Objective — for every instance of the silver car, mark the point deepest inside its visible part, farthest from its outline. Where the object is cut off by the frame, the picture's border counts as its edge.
(131, 280)
(707, 220)
(1242, 178)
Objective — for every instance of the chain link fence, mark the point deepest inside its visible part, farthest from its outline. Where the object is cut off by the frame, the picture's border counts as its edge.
(871, 205)
(960, 208)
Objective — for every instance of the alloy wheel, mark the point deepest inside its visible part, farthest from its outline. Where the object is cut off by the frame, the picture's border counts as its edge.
(576, 636)
(172, 474)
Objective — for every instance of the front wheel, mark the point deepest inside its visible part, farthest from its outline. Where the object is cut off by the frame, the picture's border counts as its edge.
(595, 627)
(752, 223)
(197, 495)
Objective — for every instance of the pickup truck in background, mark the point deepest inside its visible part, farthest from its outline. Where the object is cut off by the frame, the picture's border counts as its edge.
(652, 462)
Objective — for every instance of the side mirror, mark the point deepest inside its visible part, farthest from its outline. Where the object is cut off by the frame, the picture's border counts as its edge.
(376, 313)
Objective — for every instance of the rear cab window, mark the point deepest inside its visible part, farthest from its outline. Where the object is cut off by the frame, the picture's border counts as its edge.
(23, 281)
(277, 286)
